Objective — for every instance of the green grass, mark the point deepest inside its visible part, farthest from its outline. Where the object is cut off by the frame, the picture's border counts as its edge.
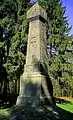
(66, 106)
(4, 114)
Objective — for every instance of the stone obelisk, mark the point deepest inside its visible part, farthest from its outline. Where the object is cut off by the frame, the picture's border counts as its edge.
(33, 83)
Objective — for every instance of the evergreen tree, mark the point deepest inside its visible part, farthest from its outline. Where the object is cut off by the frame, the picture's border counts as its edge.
(57, 35)
(13, 31)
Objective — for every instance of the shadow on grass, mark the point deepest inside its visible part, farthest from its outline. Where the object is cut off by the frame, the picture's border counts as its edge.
(64, 115)
(4, 117)
(39, 113)
(32, 113)
(22, 112)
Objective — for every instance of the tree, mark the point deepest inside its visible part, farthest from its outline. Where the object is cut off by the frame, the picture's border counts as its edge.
(13, 30)
(58, 42)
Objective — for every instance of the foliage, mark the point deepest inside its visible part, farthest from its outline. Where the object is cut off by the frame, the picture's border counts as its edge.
(13, 37)
(60, 47)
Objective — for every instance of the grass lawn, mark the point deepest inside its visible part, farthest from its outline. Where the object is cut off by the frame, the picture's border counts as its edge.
(66, 106)
(4, 114)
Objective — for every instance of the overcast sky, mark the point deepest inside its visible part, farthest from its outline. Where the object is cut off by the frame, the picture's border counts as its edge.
(69, 11)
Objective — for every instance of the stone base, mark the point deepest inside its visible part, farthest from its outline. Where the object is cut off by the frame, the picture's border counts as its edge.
(27, 101)
(33, 101)
(36, 89)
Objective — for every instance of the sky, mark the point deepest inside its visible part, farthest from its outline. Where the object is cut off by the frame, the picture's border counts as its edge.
(69, 12)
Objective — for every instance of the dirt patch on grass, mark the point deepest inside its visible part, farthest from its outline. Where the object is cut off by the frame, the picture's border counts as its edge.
(67, 98)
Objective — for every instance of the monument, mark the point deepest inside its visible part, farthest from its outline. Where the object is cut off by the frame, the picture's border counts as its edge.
(35, 84)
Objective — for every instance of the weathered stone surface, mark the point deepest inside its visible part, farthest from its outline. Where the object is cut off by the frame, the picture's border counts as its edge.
(36, 10)
(35, 79)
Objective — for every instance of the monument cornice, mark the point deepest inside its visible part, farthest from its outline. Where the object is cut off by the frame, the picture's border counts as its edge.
(37, 17)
